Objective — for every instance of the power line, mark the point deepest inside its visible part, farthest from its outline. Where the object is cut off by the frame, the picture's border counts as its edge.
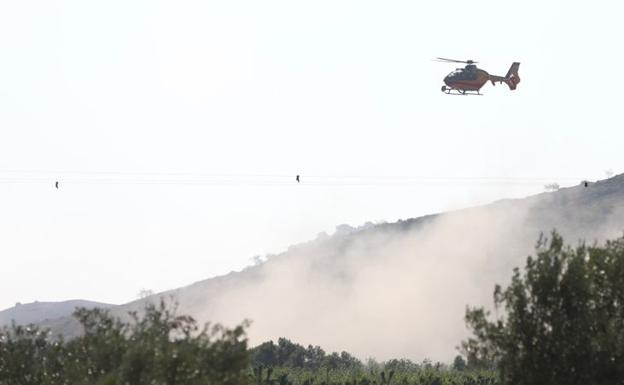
(17, 176)
(329, 176)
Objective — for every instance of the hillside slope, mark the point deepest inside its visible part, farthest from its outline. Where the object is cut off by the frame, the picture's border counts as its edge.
(36, 312)
(396, 289)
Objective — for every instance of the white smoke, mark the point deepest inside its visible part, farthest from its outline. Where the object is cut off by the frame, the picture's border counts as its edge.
(401, 290)
(389, 292)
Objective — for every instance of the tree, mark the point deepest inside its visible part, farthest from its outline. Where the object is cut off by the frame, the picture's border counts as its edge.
(562, 319)
(459, 363)
(265, 354)
(400, 365)
(22, 355)
(156, 347)
(551, 186)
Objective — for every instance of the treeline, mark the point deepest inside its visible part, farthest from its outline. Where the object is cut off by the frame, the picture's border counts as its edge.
(288, 363)
(291, 355)
(159, 347)
(286, 354)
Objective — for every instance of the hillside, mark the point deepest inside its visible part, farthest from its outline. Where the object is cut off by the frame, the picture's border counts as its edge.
(396, 289)
(36, 312)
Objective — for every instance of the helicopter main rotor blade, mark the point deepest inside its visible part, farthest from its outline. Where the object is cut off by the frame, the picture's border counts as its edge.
(442, 59)
(450, 60)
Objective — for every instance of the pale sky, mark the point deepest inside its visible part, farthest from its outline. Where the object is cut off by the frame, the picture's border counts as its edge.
(176, 128)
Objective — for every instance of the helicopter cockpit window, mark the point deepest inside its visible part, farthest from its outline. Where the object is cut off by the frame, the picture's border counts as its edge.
(455, 74)
(463, 74)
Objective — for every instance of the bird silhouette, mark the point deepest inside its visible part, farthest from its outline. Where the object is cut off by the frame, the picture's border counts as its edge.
(56, 184)
(298, 181)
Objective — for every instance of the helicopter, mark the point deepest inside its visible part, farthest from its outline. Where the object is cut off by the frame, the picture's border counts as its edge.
(470, 79)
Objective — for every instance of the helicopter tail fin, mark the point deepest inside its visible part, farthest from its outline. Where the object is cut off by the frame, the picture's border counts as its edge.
(512, 78)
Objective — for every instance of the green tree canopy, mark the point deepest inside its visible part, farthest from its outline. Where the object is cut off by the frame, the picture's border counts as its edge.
(155, 347)
(560, 321)
(288, 354)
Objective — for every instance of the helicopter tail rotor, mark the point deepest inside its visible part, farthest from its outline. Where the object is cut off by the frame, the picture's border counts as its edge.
(513, 78)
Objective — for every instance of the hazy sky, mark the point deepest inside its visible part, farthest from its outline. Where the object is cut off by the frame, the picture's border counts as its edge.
(176, 128)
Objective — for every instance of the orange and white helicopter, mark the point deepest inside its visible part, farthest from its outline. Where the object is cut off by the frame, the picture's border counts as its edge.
(470, 79)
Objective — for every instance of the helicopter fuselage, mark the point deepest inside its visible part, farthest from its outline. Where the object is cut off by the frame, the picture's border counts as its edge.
(469, 78)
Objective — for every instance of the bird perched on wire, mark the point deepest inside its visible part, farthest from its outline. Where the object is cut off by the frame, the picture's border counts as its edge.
(298, 180)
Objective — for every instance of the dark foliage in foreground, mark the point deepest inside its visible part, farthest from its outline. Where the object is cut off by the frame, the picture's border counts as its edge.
(562, 320)
(369, 376)
(159, 347)
(285, 363)
(155, 348)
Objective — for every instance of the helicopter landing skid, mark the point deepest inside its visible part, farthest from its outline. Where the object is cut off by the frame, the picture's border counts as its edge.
(455, 91)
